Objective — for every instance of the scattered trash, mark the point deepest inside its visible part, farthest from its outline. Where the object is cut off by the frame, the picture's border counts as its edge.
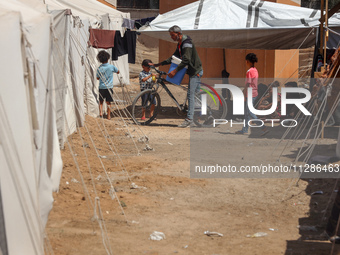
(208, 233)
(107, 212)
(186, 246)
(148, 148)
(86, 145)
(307, 228)
(74, 180)
(255, 213)
(143, 139)
(134, 186)
(102, 156)
(249, 144)
(67, 183)
(170, 143)
(273, 229)
(98, 177)
(171, 198)
(258, 234)
(135, 222)
(317, 193)
(157, 236)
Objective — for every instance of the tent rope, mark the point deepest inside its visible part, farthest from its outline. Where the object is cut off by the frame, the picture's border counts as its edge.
(112, 188)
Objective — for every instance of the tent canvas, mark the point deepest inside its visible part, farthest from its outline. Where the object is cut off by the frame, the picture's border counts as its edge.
(86, 13)
(19, 174)
(30, 159)
(242, 24)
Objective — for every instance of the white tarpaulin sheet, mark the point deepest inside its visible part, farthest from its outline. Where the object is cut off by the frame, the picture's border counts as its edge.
(18, 169)
(74, 35)
(43, 65)
(242, 24)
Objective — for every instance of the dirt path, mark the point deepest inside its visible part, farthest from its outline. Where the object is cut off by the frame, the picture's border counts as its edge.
(168, 201)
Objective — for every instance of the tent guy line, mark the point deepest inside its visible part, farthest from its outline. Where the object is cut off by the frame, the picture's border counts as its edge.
(104, 135)
(116, 102)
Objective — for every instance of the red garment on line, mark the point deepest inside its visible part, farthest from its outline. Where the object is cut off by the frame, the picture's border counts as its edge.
(100, 38)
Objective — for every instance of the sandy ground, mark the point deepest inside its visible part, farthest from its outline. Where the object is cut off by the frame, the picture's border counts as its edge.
(97, 209)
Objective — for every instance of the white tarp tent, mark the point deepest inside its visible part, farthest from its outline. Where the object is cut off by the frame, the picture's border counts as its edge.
(29, 148)
(72, 20)
(42, 93)
(242, 24)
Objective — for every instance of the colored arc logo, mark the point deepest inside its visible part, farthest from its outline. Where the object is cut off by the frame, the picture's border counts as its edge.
(213, 90)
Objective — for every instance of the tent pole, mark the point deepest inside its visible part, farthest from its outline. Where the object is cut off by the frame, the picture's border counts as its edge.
(321, 27)
(331, 12)
(326, 36)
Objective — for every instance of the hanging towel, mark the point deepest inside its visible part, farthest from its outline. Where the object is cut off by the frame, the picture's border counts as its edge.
(125, 45)
(128, 23)
(131, 45)
(141, 22)
(100, 38)
(120, 46)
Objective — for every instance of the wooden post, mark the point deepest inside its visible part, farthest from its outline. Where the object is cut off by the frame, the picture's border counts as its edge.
(326, 36)
(321, 27)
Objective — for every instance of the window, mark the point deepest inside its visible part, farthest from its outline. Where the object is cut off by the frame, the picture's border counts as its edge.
(138, 4)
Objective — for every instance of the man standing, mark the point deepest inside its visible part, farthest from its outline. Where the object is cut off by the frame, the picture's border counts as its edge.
(186, 51)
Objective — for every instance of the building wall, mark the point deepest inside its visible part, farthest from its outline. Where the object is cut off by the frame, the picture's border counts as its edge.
(140, 13)
(270, 62)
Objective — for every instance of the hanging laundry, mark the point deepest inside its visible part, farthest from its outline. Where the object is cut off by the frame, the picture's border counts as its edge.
(125, 45)
(131, 45)
(141, 22)
(100, 38)
(120, 46)
(128, 23)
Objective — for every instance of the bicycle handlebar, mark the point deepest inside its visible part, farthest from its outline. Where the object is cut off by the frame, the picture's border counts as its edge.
(158, 71)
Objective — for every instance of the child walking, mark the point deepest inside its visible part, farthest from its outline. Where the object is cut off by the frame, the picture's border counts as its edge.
(105, 76)
(251, 82)
(146, 82)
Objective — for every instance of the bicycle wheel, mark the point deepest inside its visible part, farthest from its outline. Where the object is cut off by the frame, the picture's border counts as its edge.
(146, 104)
(214, 109)
(182, 112)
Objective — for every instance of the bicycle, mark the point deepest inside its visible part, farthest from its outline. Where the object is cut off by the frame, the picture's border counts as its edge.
(148, 103)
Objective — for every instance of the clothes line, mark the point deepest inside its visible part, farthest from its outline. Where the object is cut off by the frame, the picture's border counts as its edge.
(107, 39)
(136, 24)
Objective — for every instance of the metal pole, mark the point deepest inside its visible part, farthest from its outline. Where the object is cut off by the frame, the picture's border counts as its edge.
(321, 27)
(326, 36)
